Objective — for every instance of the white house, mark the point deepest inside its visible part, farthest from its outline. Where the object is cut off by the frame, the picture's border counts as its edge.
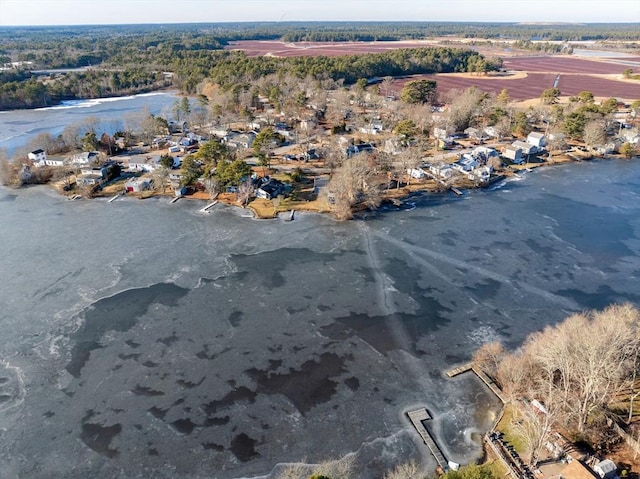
(466, 163)
(513, 153)
(38, 156)
(442, 170)
(137, 185)
(146, 163)
(527, 148)
(97, 170)
(416, 173)
(84, 158)
(240, 140)
(537, 139)
(481, 173)
(483, 153)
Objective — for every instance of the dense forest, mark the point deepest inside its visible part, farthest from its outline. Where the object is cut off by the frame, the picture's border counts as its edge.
(127, 59)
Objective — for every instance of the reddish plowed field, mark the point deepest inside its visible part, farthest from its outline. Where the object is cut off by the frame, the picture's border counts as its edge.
(276, 48)
(535, 83)
(544, 69)
(561, 65)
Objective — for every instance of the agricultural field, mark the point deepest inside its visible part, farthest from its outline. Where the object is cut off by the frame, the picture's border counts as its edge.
(528, 75)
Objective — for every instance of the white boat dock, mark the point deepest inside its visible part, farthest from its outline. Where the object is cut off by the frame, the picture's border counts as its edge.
(208, 207)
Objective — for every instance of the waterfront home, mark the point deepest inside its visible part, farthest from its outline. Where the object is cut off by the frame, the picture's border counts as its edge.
(484, 153)
(100, 171)
(137, 185)
(441, 170)
(84, 158)
(270, 189)
(481, 173)
(537, 139)
(38, 157)
(513, 153)
(466, 163)
(527, 148)
(89, 179)
(416, 173)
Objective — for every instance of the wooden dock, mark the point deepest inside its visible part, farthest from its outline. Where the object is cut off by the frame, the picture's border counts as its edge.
(416, 417)
(490, 383)
(175, 199)
(456, 191)
(481, 374)
(459, 370)
(114, 198)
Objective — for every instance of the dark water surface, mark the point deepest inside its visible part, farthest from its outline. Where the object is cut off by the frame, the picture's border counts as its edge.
(143, 339)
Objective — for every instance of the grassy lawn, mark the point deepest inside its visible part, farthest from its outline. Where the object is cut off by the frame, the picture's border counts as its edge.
(506, 426)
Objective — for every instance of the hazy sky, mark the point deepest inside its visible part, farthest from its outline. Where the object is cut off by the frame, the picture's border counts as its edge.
(74, 12)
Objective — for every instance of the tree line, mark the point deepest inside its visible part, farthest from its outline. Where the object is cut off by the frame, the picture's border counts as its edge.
(584, 371)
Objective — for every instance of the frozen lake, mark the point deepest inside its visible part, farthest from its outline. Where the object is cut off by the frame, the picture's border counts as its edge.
(143, 339)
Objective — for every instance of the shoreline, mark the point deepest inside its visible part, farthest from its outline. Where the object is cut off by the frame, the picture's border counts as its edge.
(263, 209)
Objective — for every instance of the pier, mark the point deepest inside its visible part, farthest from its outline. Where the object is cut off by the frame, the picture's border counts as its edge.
(114, 198)
(481, 374)
(416, 417)
(208, 207)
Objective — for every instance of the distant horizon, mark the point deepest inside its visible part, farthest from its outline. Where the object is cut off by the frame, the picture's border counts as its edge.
(64, 13)
(291, 22)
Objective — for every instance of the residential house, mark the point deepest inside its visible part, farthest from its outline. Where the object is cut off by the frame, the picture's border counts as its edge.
(84, 158)
(177, 127)
(476, 134)
(359, 148)
(481, 173)
(416, 173)
(144, 163)
(537, 139)
(240, 140)
(270, 189)
(484, 153)
(527, 148)
(89, 179)
(441, 170)
(38, 156)
(466, 164)
(136, 185)
(100, 171)
(513, 153)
